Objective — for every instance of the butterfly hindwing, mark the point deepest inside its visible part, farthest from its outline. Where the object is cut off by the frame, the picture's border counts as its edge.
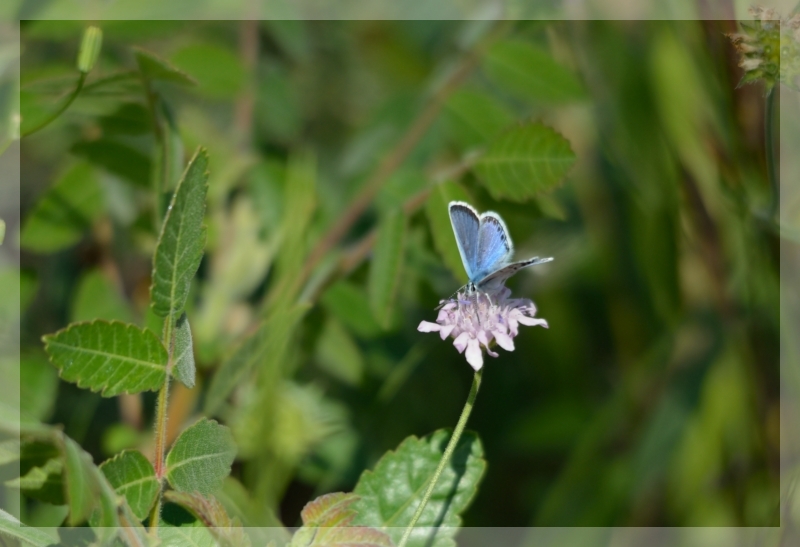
(494, 246)
(496, 279)
(466, 226)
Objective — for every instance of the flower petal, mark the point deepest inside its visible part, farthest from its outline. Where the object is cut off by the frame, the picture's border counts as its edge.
(474, 354)
(504, 340)
(445, 330)
(461, 341)
(427, 326)
(533, 321)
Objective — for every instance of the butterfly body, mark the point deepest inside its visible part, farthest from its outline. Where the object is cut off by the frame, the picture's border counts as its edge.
(485, 247)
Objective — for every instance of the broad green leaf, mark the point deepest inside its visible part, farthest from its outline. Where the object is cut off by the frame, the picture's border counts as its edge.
(210, 511)
(12, 528)
(117, 158)
(132, 476)
(97, 298)
(112, 358)
(183, 369)
(38, 385)
(338, 354)
(391, 493)
(155, 68)
(473, 117)
(327, 523)
(524, 161)
(436, 209)
(218, 70)
(183, 536)
(530, 73)
(386, 266)
(64, 212)
(183, 236)
(349, 303)
(43, 483)
(201, 457)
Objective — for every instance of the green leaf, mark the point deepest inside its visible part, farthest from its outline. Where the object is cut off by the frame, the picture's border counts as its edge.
(128, 119)
(117, 158)
(338, 354)
(472, 117)
(97, 298)
(530, 73)
(12, 528)
(391, 493)
(156, 68)
(524, 161)
(184, 368)
(330, 510)
(60, 218)
(87, 489)
(112, 358)
(386, 267)
(436, 209)
(210, 511)
(132, 476)
(349, 303)
(183, 536)
(183, 236)
(201, 457)
(43, 483)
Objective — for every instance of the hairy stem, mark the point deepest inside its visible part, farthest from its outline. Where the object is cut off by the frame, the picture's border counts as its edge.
(448, 453)
(60, 110)
(161, 426)
(769, 143)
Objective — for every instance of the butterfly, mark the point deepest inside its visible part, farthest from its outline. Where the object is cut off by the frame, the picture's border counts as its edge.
(485, 248)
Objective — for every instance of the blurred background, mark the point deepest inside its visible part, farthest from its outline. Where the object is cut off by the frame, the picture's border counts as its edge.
(652, 399)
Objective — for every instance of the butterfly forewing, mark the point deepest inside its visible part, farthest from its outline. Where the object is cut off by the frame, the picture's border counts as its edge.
(494, 246)
(466, 226)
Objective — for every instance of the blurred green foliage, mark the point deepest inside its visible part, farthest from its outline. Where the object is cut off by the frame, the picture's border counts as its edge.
(652, 400)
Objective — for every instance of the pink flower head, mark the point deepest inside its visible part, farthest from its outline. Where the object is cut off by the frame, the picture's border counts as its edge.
(477, 319)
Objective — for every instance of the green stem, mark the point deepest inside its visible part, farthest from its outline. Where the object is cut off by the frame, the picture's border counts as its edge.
(62, 108)
(769, 142)
(161, 426)
(448, 452)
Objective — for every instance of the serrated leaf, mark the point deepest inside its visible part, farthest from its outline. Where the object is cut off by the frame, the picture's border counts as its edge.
(473, 118)
(116, 157)
(530, 73)
(386, 267)
(391, 493)
(181, 536)
(209, 510)
(132, 476)
(112, 358)
(184, 368)
(329, 510)
(436, 209)
(524, 161)
(201, 457)
(66, 210)
(156, 68)
(43, 483)
(180, 245)
(13, 528)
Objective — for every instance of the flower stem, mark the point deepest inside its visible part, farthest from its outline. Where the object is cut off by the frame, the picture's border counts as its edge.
(769, 143)
(161, 426)
(448, 452)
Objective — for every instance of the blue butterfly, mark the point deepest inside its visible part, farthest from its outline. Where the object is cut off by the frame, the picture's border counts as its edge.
(485, 248)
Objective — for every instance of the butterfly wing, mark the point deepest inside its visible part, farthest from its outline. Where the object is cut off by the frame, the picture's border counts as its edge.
(466, 226)
(494, 245)
(497, 279)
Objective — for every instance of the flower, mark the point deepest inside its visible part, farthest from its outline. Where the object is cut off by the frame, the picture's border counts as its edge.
(769, 47)
(477, 319)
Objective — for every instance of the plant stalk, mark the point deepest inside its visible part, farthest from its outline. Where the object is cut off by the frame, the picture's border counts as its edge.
(62, 108)
(448, 453)
(161, 427)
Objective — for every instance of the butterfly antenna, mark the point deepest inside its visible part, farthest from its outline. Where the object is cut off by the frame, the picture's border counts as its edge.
(440, 306)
